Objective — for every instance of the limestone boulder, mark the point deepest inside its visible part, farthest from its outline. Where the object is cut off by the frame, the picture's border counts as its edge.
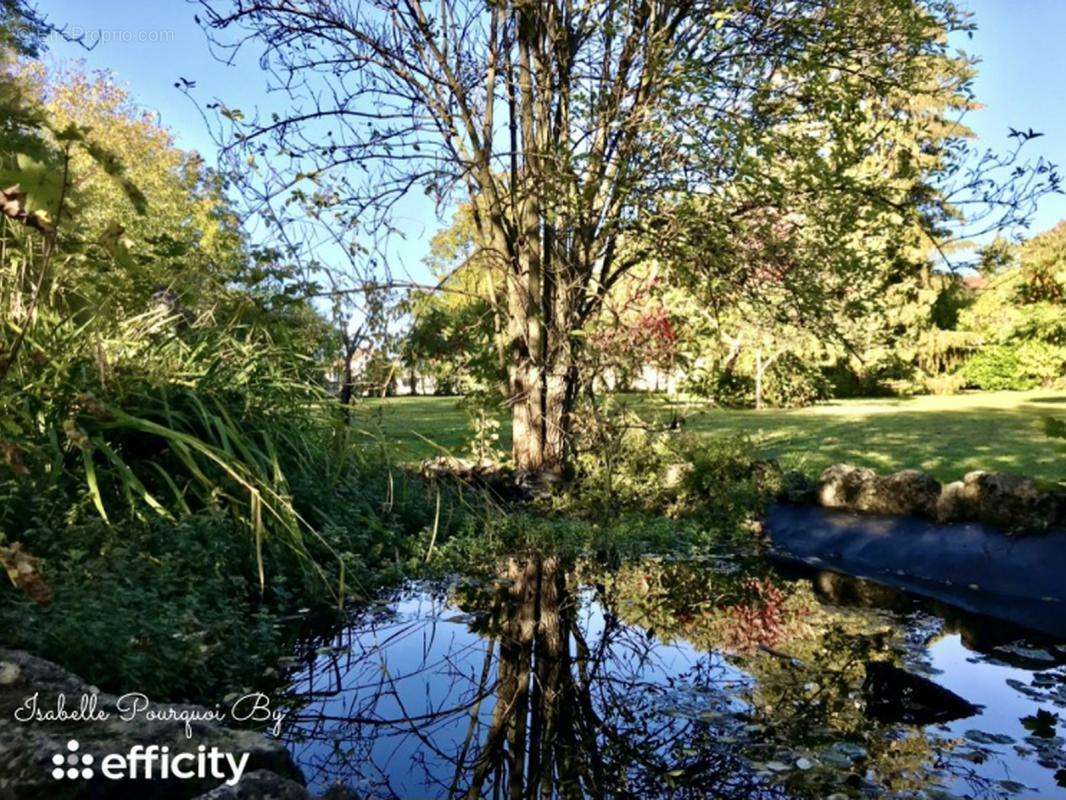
(1014, 503)
(953, 504)
(907, 493)
(840, 485)
(501, 480)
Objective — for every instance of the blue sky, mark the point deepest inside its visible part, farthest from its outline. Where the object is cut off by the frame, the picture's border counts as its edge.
(1021, 80)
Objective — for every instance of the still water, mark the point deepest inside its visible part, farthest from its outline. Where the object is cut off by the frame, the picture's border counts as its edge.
(717, 679)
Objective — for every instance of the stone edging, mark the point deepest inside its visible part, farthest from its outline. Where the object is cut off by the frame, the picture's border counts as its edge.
(1014, 503)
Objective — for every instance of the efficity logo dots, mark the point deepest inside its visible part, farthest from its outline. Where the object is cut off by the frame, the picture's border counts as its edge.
(72, 765)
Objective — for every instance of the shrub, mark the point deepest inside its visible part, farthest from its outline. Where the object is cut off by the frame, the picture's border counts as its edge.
(792, 382)
(950, 383)
(732, 389)
(624, 462)
(789, 382)
(1016, 366)
(175, 608)
(727, 479)
(160, 417)
(169, 460)
(874, 378)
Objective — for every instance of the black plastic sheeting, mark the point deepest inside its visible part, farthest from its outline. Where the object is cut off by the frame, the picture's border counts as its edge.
(972, 566)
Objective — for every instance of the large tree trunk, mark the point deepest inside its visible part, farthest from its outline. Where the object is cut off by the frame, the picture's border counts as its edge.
(543, 392)
(543, 375)
(525, 377)
(560, 387)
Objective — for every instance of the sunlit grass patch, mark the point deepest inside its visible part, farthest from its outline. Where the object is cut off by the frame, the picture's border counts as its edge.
(945, 435)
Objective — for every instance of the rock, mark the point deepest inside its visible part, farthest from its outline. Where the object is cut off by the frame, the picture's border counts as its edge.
(27, 748)
(448, 467)
(525, 486)
(1012, 502)
(907, 493)
(499, 479)
(9, 673)
(259, 785)
(952, 504)
(840, 484)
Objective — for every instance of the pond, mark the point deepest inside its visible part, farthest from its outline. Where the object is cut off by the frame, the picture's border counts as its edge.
(717, 678)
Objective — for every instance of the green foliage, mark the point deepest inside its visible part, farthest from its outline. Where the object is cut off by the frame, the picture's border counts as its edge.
(944, 384)
(113, 163)
(1043, 264)
(622, 460)
(875, 377)
(167, 448)
(132, 397)
(175, 608)
(454, 337)
(790, 381)
(1020, 317)
(171, 608)
(727, 479)
(1000, 316)
(730, 389)
(625, 461)
(163, 417)
(621, 537)
(1017, 366)
(482, 411)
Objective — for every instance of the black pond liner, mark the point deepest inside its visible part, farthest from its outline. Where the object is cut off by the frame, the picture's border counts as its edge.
(974, 567)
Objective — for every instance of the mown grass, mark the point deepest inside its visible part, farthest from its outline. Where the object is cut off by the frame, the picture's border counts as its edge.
(944, 435)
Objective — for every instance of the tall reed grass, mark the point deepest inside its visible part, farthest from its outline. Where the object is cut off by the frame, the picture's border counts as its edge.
(161, 415)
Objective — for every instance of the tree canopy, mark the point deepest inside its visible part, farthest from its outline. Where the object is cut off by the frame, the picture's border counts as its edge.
(766, 144)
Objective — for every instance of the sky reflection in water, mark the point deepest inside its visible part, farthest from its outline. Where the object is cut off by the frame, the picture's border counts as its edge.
(674, 680)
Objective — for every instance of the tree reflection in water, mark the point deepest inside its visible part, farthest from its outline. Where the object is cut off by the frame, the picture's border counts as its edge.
(661, 680)
(535, 695)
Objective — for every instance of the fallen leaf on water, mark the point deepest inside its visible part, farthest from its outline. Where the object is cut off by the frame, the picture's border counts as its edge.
(1042, 724)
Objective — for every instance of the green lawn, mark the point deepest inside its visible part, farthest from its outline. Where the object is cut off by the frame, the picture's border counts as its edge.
(945, 435)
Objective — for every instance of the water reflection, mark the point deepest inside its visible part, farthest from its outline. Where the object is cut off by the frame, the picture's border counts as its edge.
(657, 679)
